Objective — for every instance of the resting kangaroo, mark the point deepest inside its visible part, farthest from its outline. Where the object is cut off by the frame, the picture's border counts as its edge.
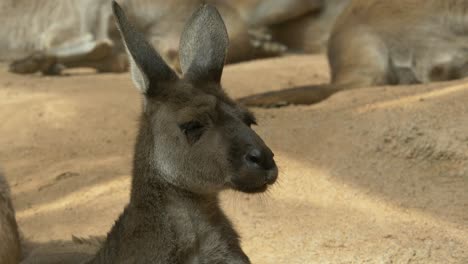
(193, 142)
(378, 42)
(10, 249)
(80, 33)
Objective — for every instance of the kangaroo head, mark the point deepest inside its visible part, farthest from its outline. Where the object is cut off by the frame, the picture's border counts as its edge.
(195, 136)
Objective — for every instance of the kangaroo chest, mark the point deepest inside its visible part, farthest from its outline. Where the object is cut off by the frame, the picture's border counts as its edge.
(199, 236)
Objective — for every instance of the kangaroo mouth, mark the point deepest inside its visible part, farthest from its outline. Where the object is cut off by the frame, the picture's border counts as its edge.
(254, 181)
(248, 189)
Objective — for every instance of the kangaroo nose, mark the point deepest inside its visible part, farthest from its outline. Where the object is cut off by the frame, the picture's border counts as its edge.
(258, 159)
(253, 158)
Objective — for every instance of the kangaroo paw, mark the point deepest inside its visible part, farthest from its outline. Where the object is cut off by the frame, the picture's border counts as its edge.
(54, 70)
(36, 62)
(261, 38)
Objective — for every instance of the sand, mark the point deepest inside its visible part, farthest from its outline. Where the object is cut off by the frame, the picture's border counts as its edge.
(374, 175)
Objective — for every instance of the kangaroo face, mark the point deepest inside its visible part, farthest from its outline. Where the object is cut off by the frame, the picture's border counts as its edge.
(197, 137)
(203, 141)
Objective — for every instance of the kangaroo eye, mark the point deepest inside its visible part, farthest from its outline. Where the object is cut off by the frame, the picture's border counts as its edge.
(193, 130)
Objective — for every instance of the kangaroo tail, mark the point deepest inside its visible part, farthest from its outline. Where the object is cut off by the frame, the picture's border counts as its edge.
(303, 95)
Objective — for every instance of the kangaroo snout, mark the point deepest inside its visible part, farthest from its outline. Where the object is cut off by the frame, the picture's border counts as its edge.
(258, 170)
(262, 159)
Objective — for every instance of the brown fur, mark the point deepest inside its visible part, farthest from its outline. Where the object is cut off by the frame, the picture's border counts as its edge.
(193, 142)
(377, 42)
(310, 32)
(84, 37)
(272, 12)
(10, 249)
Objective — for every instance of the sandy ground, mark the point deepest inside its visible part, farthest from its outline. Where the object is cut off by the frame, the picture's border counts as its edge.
(376, 175)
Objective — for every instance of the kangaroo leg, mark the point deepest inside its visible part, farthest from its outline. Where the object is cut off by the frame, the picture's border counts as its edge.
(99, 55)
(277, 11)
(406, 75)
(114, 62)
(56, 35)
(44, 60)
(357, 59)
(38, 61)
(51, 62)
(452, 70)
(68, 46)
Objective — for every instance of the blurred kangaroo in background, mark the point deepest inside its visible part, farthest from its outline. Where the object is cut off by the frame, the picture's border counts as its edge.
(56, 32)
(80, 33)
(394, 42)
(49, 35)
(10, 247)
(300, 25)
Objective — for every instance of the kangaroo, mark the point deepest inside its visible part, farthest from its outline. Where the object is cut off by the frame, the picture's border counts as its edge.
(14, 249)
(309, 32)
(56, 33)
(193, 142)
(10, 247)
(388, 43)
(274, 12)
(84, 36)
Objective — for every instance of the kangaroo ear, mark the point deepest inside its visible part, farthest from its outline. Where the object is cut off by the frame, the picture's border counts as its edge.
(203, 45)
(147, 67)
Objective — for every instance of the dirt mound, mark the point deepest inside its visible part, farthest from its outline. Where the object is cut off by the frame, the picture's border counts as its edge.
(375, 175)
